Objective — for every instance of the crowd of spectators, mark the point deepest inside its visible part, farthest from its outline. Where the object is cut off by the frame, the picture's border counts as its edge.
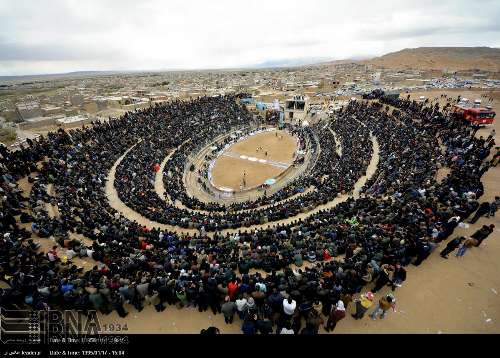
(291, 278)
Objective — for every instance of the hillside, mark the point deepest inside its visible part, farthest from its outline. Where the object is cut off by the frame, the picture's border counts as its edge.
(439, 58)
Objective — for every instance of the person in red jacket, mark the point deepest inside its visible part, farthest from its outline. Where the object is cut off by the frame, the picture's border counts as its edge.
(326, 255)
(232, 288)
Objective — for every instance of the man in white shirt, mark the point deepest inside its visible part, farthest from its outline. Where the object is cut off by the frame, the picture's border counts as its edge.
(241, 306)
(289, 306)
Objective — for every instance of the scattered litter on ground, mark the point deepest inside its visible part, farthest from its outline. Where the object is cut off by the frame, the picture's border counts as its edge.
(440, 332)
(488, 320)
(484, 313)
(464, 225)
(494, 291)
(471, 284)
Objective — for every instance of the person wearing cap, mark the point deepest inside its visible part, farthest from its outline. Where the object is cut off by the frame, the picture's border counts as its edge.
(337, 313)
(363, 304)
(384, 304)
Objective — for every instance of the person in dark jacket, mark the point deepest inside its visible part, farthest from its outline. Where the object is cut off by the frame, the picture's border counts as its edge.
(249, 327)
(484, 209)
(398, 277)
(117, 303)
(264, 326)
(483, 233)
(337, 314)
(228, 310)
(202, 300)
(383, 278)
(449, 227)
(451, 246)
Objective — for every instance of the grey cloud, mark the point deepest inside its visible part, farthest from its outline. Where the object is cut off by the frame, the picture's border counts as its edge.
(428, 30)
(302, 43)
(197, 33)
(51, 52)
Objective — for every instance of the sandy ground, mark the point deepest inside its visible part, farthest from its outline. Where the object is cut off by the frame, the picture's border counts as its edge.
(280, 150)
(228, 171)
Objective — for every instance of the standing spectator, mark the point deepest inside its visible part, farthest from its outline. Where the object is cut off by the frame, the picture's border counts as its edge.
(494, 207)
(483, 209)
(249, 326)
(383, 278)
(228, 310)
(363, 304)
(241, 306)
(337, 313)
(398, 276)
(289, 306)
(264, 326)
(482, 234)
(384, 304)
(232, 288)
(117, 304)
(451, 246)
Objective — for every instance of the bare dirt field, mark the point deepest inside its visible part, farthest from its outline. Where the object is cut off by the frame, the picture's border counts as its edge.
(230, 168)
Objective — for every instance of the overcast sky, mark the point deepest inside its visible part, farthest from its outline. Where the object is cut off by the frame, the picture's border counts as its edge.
(42, 36)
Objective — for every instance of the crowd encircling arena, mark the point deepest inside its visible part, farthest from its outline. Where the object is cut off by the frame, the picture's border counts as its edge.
(284, 263)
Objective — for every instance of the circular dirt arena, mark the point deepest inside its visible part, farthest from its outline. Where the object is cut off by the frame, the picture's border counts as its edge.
(247, 161)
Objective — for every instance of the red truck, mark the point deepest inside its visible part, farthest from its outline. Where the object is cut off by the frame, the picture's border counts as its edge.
(474, 114)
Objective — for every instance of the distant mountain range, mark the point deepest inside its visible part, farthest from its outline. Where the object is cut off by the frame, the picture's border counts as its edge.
(59, 75)
(422, 58)
(440, 58)
(296, 62)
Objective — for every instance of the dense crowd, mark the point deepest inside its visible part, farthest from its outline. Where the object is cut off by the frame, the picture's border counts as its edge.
(259, 275)
(329, 176)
